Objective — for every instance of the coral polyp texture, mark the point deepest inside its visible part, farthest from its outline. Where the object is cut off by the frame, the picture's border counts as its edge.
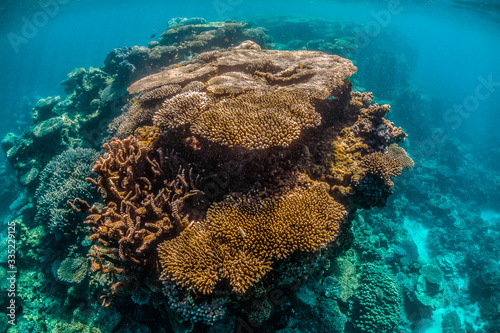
(239, 242)
(273, 94)
(232, 170)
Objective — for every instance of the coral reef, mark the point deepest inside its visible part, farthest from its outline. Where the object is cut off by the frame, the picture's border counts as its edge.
(377, 303)
(230, 174)
(207, 241)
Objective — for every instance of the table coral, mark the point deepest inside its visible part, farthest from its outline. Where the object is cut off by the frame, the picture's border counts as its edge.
(240, 242)
(275, 94)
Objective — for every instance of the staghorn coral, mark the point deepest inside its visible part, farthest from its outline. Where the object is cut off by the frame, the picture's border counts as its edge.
(240, 242)
(139, 212)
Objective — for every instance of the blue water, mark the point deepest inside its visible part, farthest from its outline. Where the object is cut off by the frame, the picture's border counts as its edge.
(445, 53)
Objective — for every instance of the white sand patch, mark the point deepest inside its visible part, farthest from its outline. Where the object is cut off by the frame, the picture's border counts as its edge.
(490, 216)
(418, 233)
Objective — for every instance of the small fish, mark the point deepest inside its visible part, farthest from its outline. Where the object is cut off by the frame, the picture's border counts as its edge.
(242, 232)
(134, 101)
(301, 66)
(152, 36)
(177, 66)
(226, 40)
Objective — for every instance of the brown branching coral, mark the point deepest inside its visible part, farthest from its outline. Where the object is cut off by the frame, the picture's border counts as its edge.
(240, 242)
(374, 184)
(143, 207)
(254, 98)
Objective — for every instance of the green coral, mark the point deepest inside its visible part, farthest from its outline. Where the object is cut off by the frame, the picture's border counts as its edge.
(73, 327)
(61, 180)
(430, 287)
(376, 306)
(73, 270)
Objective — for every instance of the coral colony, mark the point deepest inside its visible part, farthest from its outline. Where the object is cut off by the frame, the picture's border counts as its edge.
(250, 107)
(209, 184)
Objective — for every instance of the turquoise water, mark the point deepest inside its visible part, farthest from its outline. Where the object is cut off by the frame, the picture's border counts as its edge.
(436, 238)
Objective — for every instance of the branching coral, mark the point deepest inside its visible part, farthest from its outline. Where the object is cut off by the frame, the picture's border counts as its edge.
(258, 119)
(381, 165)
(140, 112)
(140, 210)
(240, 242)
(374, 184)
(400, 155)
(181, 109)
(73, 270)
